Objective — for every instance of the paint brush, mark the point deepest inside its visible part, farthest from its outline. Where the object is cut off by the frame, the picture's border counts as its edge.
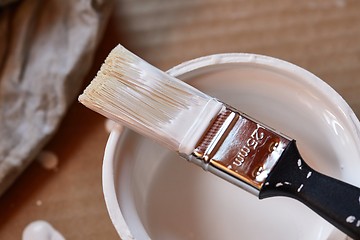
(217, 137)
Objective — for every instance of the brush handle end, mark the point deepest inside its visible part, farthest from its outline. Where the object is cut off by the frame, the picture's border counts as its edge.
(334, 200)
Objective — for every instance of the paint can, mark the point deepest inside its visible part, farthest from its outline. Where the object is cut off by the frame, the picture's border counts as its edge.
(151, 193)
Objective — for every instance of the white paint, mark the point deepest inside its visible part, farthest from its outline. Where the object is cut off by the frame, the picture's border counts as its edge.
(301, 186)
(149, 101)
(350, 219)
(309, 174)
(279, 184)
(111, 125)
(358, 223)
(48, 160)
(41, 230)
(299, 163)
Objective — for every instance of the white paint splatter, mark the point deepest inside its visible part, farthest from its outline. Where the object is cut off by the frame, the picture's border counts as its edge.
(350, 219)
(299, 163)
(229, 167)
(110, 125)
(309, 174)
(267, 183)
(41, 230)
(48, 160)
(358, 223)
(301, 186)
(280, 184)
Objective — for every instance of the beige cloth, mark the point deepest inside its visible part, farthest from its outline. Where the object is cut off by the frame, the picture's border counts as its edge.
(46, 48)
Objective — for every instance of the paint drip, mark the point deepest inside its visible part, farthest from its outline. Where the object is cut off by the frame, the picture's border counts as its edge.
(41, 230)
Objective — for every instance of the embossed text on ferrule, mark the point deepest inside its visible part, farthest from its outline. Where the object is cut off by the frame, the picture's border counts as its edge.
(249, 151)
(250, 145)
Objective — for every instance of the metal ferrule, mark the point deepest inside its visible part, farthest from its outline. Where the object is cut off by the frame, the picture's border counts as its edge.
(239, 149)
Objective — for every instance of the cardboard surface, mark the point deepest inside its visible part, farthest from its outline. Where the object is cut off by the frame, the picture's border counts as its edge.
(321, 36)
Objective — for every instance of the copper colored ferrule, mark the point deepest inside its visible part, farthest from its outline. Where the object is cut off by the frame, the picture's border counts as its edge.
(240, 149)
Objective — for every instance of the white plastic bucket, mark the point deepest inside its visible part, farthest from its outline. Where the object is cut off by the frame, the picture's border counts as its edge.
(152, 193)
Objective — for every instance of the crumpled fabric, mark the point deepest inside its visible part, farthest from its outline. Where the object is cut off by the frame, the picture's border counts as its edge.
(46, 49)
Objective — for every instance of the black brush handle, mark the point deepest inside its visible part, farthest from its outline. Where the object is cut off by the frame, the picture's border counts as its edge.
(336, 201)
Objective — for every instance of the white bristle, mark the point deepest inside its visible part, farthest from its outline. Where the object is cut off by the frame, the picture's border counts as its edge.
(131, 91)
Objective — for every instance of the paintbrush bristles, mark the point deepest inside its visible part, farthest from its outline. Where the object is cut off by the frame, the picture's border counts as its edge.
(131, 91)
